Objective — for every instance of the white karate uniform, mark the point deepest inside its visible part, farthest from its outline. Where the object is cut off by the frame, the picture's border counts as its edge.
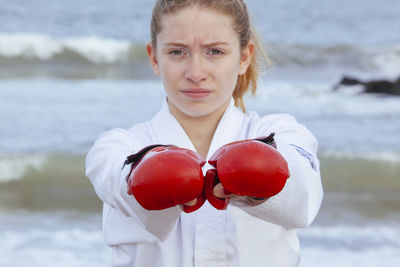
(241, 236)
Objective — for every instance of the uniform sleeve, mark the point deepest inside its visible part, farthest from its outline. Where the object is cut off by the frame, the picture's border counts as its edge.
(298, 203)
(104, 164)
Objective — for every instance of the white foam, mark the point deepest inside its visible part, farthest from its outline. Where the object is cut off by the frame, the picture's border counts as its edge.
(46, 240)
(62, 239)
(353, 236)
(29, 45)
(350, 245)
(387, 59)
(318, 99)
(98, 50)
(13, 167)
(382, 257)
(383, 156)
(44, 47)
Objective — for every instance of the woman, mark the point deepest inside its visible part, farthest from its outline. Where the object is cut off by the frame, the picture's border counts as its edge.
(205, 53)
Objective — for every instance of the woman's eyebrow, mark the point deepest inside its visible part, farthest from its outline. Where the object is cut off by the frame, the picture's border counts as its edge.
(175, 44)
(217, 43)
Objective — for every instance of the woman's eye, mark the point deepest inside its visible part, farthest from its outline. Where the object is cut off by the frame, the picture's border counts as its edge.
(176, 52)
(215, 52)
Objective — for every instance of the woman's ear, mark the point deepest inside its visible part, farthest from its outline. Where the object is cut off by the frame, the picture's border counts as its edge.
(152, 55)
(246, 56)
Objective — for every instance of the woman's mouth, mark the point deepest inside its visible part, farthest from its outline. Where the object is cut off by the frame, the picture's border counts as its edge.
(196, 93)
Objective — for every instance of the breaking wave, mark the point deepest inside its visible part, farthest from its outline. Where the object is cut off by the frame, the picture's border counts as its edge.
(32, 55)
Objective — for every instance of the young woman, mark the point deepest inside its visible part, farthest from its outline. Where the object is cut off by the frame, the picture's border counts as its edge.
(206, 55)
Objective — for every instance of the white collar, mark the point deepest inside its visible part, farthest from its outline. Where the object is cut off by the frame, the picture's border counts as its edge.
(167, 130)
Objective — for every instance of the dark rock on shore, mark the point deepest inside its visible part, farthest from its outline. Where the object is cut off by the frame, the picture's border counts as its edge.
(374, 86)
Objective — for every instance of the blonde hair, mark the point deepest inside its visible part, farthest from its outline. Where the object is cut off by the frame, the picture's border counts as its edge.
(242, 26)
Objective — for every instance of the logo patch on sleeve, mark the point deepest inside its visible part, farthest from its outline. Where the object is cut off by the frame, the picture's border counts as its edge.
(306, 155)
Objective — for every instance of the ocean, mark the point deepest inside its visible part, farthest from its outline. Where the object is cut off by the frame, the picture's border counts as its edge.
(71, 70)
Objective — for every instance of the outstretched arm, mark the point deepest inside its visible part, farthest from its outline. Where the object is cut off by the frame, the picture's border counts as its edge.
(298, 203)
(104, 164)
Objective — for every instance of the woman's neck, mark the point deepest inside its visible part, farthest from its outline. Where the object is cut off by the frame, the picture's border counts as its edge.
(200, 130)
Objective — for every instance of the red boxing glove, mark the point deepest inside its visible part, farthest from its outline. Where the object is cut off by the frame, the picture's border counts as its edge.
(165, 176)
(246, 168)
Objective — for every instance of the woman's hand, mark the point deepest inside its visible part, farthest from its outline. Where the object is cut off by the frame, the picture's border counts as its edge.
(191, 203)
(250, 170)
(162, 177)
(220, 192)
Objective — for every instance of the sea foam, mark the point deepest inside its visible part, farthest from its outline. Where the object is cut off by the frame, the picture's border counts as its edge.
(29, 46)
(387, 58)
(377, 156)
(52, 239)
(43, 47)
(14, 167)
(38, 46)
(347, 245)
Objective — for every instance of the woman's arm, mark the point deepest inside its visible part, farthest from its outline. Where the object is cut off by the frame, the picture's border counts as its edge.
(298, 203)
(104, 168)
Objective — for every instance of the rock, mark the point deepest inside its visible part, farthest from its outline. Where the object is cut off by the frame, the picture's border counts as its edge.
(374, 86)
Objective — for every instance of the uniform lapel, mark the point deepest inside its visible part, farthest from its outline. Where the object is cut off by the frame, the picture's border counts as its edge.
(166, 129)
(230, 128)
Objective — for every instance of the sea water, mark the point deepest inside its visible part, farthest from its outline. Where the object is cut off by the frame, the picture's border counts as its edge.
(70, 70)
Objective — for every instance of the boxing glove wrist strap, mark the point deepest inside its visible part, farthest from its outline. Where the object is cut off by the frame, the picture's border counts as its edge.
(134, 159)
(269, 140)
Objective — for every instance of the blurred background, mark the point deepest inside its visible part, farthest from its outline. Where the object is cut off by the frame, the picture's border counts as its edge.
(70, 70)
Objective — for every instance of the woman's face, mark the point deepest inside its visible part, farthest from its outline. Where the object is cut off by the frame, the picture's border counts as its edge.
(199, 58)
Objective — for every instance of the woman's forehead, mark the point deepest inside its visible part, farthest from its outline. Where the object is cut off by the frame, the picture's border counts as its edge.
(197, 25)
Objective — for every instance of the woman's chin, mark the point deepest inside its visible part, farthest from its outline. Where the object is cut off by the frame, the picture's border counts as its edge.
(197, 113)
(198, 109)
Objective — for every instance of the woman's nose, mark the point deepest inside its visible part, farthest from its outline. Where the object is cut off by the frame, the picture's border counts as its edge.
(195, 70)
